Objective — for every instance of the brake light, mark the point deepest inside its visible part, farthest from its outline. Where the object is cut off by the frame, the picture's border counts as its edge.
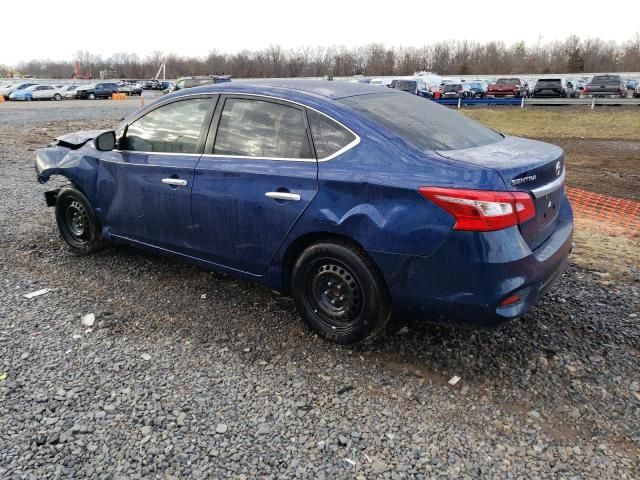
(482, 210)
(586, 90)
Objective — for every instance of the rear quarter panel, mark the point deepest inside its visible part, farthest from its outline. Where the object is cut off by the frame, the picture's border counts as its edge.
(370, 193)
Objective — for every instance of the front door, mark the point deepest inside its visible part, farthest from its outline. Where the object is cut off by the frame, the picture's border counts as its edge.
(254, 182)
(145, 186)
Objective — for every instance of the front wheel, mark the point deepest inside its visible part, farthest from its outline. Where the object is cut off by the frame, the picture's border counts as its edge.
(77, 222)
(57, 97)
(91, 96)
(340, 292)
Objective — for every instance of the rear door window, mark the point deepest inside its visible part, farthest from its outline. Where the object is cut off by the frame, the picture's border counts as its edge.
(424, 124)
(172, 128)
(259, 128)
(329, 137)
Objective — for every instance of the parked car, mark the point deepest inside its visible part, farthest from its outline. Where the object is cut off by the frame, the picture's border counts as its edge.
(415, 87)
(37, 92)
(358, 201)
(392, 83)
(190, 82)
(636, 92)
(453, 90)
(152, 85)
(130, 88)
(69, 91)
(632, 84)
(476, 89)
(553, 87)
(97, 90)
(508, 87)
(383, 82)
(8, 89)
(605, 86)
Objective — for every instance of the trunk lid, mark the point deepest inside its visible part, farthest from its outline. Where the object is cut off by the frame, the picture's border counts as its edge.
(524, 165)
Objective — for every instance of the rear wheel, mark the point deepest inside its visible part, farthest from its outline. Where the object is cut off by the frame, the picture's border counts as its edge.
(77, 222)
(340, 293)
(57, 97)
(91, 96)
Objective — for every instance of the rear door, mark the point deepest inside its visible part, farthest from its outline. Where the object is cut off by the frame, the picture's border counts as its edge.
(257, 176)
(144, 187)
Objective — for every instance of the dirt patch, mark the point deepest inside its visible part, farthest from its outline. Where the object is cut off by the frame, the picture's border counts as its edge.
(609, 167)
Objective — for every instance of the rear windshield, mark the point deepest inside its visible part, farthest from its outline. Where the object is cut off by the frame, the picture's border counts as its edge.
(548, 82)
(600, 79)
(508, 81)
(452, 87)
(406, 86)
(423, 123)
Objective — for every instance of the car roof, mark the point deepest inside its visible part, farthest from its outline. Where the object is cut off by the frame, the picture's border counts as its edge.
(323, 88)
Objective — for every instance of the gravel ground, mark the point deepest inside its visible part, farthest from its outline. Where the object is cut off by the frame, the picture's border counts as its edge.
(191, 373)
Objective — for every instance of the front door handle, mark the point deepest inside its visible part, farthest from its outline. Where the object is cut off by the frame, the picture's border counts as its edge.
(174, 182)
(283, 196)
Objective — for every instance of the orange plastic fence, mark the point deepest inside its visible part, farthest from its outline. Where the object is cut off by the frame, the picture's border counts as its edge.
(610, 212)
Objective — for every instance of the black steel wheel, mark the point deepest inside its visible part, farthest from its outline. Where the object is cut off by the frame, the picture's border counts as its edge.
(340, 293)
(77, 222)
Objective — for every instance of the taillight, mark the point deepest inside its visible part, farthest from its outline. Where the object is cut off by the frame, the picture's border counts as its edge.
(586, 90)
(482, 210)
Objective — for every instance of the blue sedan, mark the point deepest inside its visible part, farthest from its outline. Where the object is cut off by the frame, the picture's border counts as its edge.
(361, 203)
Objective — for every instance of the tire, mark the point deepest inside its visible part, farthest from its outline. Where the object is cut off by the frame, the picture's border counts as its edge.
(91, 96)
(57, 97)
(77, 222)
(340, 293)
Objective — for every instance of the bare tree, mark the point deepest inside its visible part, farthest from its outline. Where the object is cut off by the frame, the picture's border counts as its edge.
(573, 55)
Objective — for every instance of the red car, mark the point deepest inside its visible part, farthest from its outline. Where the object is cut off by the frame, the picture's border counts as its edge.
(508, 87)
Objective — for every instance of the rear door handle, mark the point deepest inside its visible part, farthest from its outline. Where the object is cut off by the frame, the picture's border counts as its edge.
(283, 196)
(174, 182)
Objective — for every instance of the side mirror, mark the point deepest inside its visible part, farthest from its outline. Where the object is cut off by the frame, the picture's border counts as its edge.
(106, 141)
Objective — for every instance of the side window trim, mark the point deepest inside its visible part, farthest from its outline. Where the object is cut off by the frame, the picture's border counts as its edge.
(204, 130)
(348, 146)
(213, 132)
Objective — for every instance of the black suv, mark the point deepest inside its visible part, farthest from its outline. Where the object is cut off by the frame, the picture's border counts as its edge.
(97, 90)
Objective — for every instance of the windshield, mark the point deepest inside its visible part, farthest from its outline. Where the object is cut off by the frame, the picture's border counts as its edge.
(422, 123)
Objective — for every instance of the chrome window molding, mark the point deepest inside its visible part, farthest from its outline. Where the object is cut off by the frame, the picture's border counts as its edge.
(549, 187)
(344, 149)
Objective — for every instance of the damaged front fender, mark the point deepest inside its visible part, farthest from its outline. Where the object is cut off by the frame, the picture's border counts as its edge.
(67, 157)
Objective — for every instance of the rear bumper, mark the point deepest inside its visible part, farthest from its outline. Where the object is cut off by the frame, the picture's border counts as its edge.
(503, 94)
(603, 94)
(472, 273)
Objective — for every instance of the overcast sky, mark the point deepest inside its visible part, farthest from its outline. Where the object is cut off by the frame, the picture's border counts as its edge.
(192, 28)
